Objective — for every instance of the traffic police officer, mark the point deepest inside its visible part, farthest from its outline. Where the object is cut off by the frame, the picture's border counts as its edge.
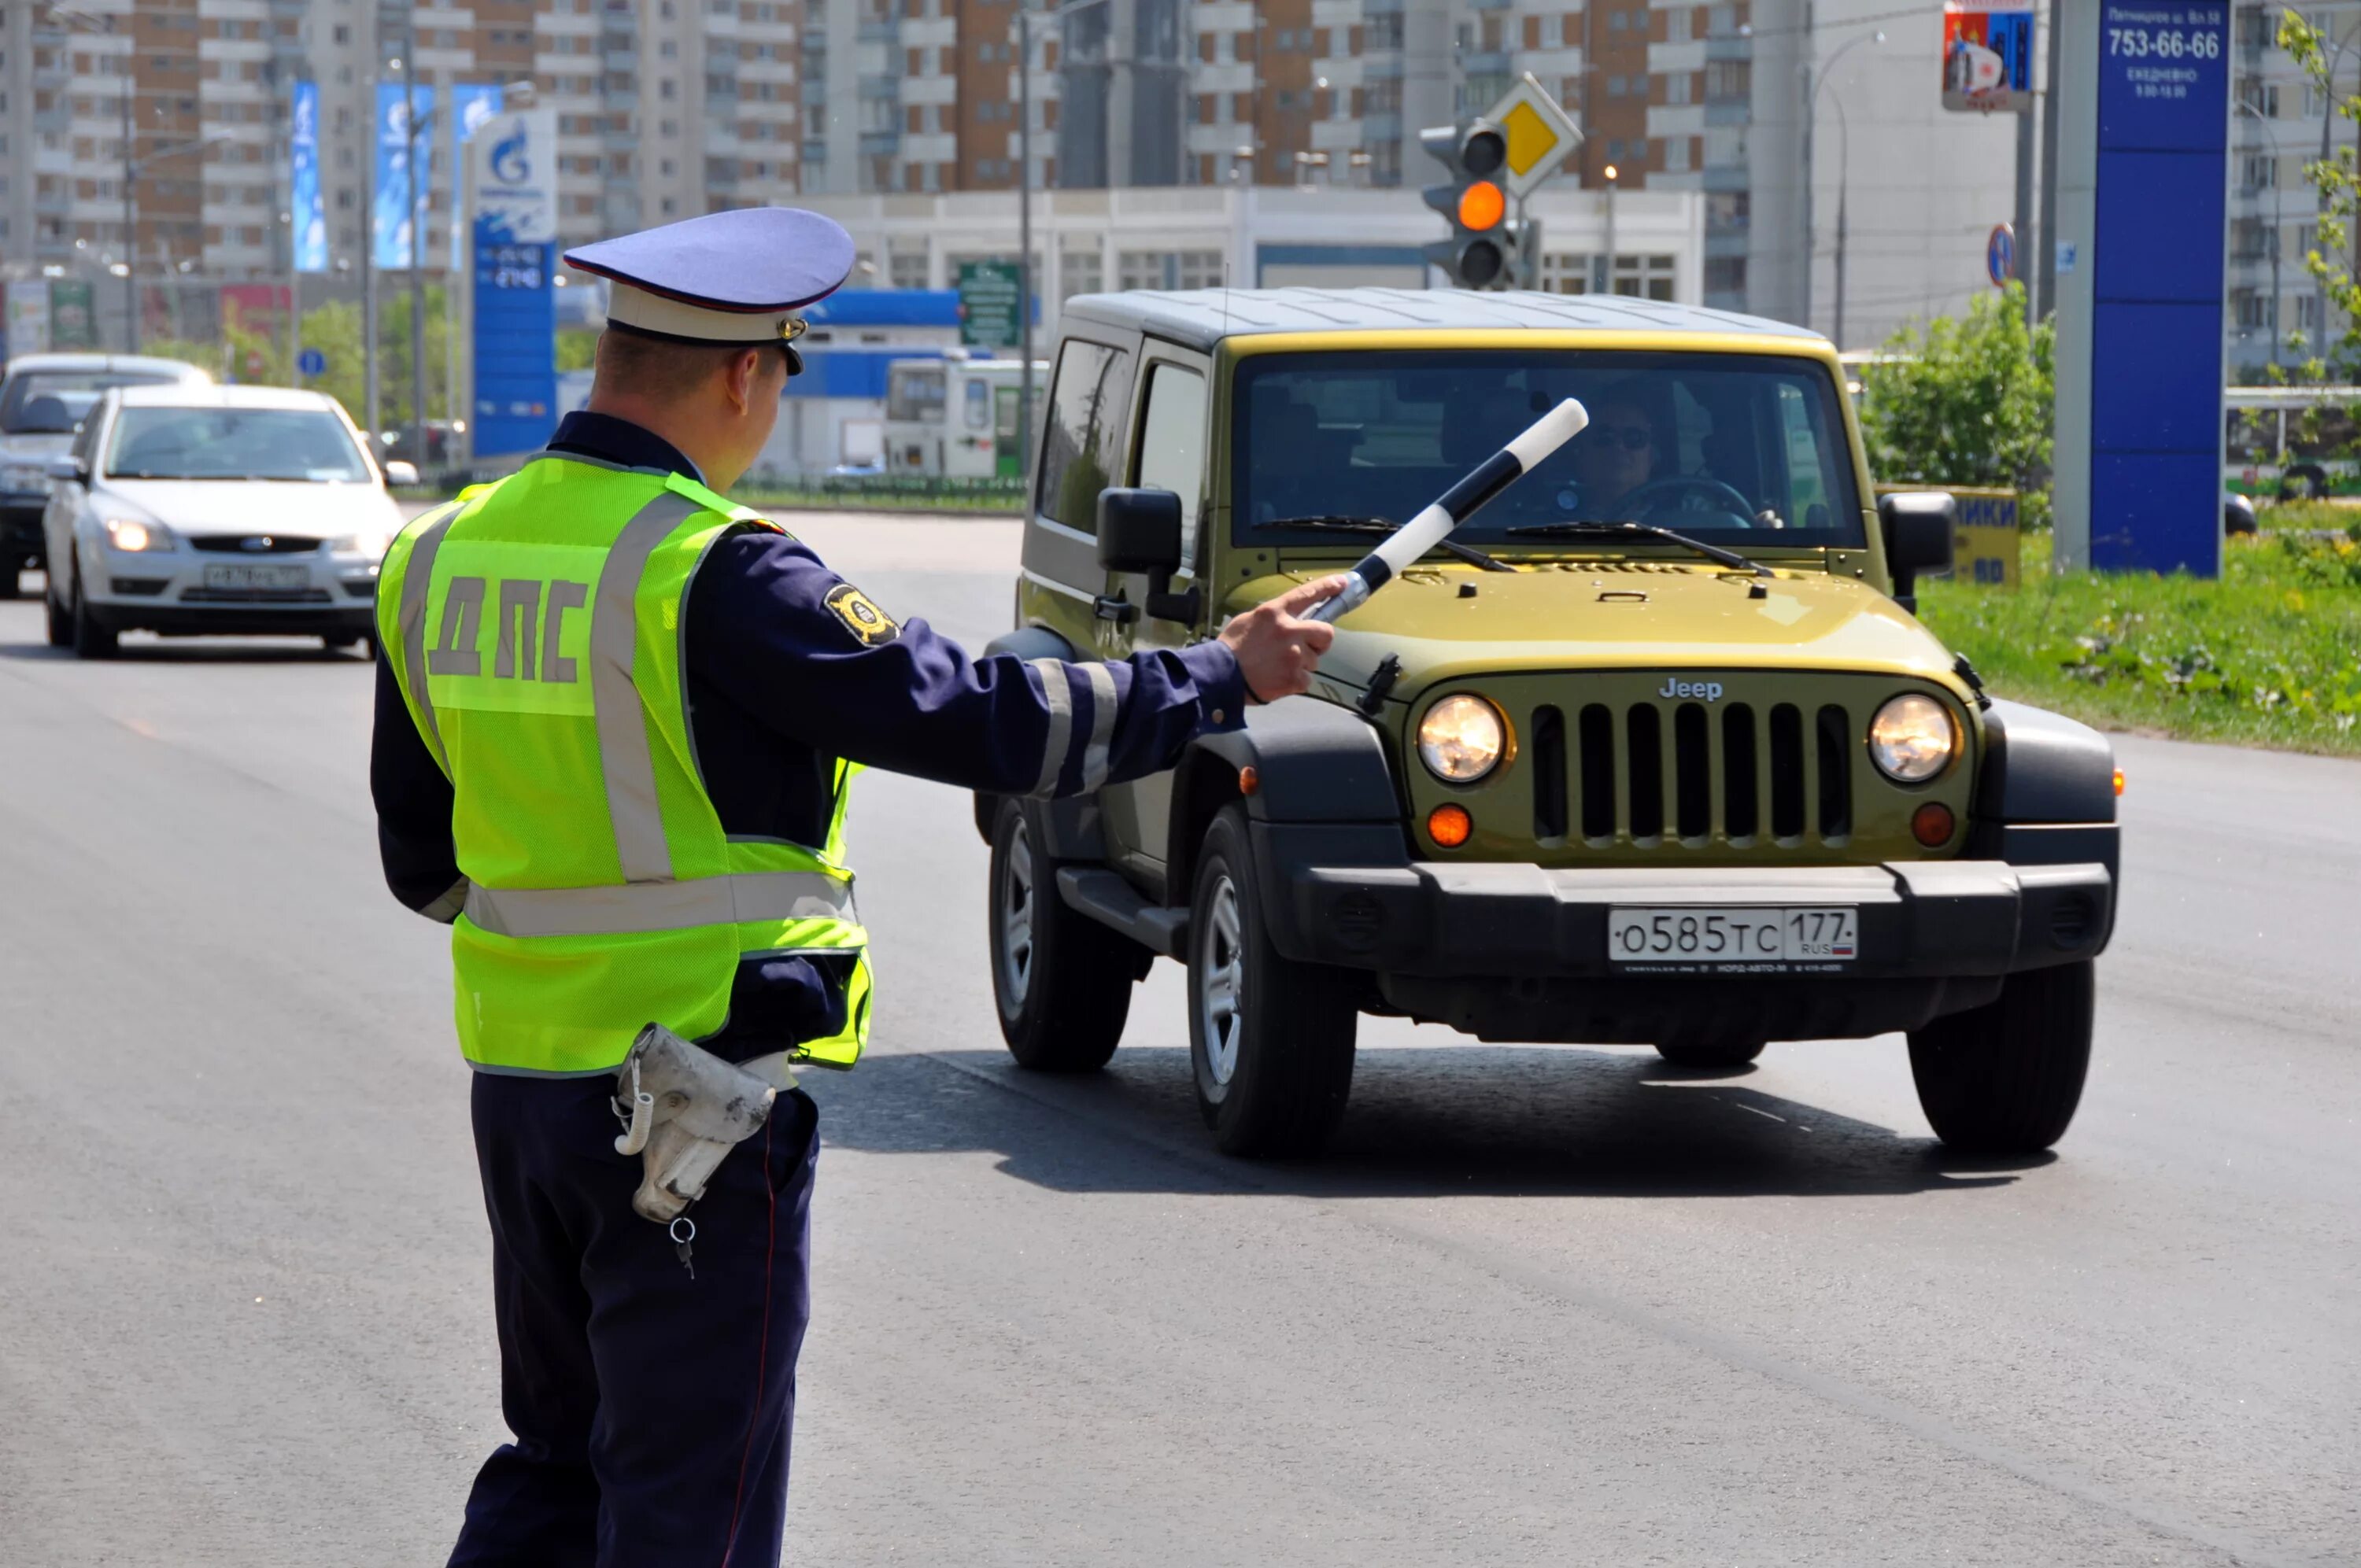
(616, 724)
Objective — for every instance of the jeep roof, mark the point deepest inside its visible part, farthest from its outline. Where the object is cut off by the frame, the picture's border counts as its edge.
(1202, 318)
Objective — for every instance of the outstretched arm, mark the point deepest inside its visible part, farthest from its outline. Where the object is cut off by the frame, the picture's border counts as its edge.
(811, 658)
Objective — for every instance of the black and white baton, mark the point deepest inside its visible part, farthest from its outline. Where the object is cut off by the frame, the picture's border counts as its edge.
(1460, 502)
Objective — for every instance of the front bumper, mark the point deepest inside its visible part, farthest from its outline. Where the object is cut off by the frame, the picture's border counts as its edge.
(1519, 952)
(20, 527)
(167, 592)
(1918, 919)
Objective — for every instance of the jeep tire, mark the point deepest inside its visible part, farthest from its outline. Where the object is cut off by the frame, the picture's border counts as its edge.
(1270, 1040)
(1709, 1053)
(2004, 1077)
(1061, 981)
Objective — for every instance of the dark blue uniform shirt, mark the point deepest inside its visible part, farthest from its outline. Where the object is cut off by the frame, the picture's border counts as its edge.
(780, 683)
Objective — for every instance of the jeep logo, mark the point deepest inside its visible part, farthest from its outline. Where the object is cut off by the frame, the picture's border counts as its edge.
(1709, 691)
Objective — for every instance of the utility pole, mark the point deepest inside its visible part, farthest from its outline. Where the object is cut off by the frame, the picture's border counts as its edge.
(2024, 222)
(2046, 261)
(369, 279)
(130, 219)
(417, 240)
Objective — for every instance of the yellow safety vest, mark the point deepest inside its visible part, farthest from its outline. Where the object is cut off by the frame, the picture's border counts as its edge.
(535, 626)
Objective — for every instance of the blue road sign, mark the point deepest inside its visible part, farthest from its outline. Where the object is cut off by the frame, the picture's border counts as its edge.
(2000, 255)
(312, 362)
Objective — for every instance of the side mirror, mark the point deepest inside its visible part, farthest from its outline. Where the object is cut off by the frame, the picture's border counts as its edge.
(68, 470)
(1140, 531)
(1917, 526)
(398, 472)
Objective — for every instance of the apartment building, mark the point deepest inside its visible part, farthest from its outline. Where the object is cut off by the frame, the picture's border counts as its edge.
(2281, 121)
(666, 108)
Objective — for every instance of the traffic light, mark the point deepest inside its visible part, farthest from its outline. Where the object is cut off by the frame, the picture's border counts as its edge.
(1484, 249)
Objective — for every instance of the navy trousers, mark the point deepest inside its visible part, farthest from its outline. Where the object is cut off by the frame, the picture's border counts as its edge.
(650, 1407)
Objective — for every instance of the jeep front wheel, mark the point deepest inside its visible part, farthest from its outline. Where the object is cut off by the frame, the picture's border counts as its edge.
(1270, 1040)
(2005, 1078)
(1061, 980)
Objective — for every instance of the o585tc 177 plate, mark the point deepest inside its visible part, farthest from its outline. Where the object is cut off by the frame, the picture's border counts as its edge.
(1691, 937)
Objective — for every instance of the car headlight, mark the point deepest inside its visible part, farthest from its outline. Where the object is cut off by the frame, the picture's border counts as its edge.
(1911, 739)
(1462, 738)
(133, 534)
(373, 545)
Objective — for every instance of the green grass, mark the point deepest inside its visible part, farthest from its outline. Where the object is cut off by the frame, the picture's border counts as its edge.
(2269, 656)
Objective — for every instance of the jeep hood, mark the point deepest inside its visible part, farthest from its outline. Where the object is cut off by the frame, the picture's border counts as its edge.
(1576, 615)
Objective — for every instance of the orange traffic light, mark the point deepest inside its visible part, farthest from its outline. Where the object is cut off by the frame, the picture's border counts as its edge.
(1482, 205)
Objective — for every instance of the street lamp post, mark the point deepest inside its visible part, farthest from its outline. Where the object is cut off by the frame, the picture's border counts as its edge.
(2271, 316)
(1025, 207)
(1844, 185)
(1813, 82)
(417, 240)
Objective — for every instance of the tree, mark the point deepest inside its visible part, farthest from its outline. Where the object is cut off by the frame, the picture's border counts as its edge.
(1967, 401)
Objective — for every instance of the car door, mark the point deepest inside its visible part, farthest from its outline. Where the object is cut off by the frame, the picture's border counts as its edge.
(1167, 451)
(1083, 426)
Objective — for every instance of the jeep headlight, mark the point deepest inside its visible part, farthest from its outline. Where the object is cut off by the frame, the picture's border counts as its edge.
(1461, 739)
(1911, 738)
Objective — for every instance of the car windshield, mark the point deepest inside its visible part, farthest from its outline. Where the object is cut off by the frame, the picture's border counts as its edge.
(298, 445)
(1733, 449)
(33, 401)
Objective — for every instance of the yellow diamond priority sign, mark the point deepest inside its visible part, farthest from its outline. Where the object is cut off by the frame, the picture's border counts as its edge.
(1539, 135)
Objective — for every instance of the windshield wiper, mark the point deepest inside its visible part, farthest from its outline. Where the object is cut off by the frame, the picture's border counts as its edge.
(1335, 523)
(1641, 530)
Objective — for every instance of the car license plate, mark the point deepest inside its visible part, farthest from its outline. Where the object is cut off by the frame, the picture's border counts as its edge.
(1694, 937)
(241, 576)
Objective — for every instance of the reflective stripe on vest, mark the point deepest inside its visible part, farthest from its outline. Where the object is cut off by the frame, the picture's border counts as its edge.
(602, 891)
(659, 905)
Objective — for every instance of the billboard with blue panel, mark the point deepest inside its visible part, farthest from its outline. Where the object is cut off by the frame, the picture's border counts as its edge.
(512, 175)
(2157, 289)
(307, 214)
(391, 208)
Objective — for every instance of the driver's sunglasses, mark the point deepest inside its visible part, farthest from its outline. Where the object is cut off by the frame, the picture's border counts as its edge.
(1630, 437)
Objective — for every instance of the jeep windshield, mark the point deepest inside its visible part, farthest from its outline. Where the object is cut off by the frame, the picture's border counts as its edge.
(1735, 450)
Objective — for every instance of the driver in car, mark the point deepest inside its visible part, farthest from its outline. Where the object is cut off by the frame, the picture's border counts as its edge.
(1614, 456)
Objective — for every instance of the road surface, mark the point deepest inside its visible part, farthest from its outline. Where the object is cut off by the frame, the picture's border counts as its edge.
(1542, 1306)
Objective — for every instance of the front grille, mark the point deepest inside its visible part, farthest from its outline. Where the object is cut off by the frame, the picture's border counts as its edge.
(255, 543)
(1705, 776)
(254, 595)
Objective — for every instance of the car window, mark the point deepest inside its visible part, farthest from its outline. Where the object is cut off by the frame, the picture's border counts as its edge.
(1172, 443)
(76, 390)
(1736, 449)
(914, 392)
(1082, 441)
(298, 445)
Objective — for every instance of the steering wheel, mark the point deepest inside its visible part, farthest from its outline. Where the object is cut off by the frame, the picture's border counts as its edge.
(1644, 499)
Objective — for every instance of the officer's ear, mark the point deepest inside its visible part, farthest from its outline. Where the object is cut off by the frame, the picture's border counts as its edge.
(741, 377)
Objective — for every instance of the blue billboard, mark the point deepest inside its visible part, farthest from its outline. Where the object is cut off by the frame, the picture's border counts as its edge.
(308, 241)
(392, 208)
(472, 103)
(512, 164)
(2157, 286)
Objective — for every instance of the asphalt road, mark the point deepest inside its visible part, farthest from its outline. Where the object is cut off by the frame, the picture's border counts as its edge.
(1542, 1306)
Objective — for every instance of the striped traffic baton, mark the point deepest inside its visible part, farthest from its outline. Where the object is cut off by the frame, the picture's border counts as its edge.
(1457, 504)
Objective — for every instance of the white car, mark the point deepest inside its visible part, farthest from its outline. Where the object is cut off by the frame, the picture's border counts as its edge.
(216, 511)
(42, 403)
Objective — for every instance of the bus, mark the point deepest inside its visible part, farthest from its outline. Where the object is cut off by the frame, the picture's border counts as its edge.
(2291, 442)
(956, 418)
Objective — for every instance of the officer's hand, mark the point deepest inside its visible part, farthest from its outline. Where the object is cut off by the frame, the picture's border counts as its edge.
(1277, 649)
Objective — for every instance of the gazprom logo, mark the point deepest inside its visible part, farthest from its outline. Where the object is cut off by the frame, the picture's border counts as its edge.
(510, 166)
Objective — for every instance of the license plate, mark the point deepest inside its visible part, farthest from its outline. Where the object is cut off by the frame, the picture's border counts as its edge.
(1691, 936)
(241, 576)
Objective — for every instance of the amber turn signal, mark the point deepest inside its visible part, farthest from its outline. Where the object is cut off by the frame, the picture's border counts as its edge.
(1449, 826)
(1482, 207)
(1931, 824)
(2119, 783)
(1249, 781)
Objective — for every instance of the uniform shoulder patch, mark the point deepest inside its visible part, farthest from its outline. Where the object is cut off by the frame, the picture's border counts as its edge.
(861, 615)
